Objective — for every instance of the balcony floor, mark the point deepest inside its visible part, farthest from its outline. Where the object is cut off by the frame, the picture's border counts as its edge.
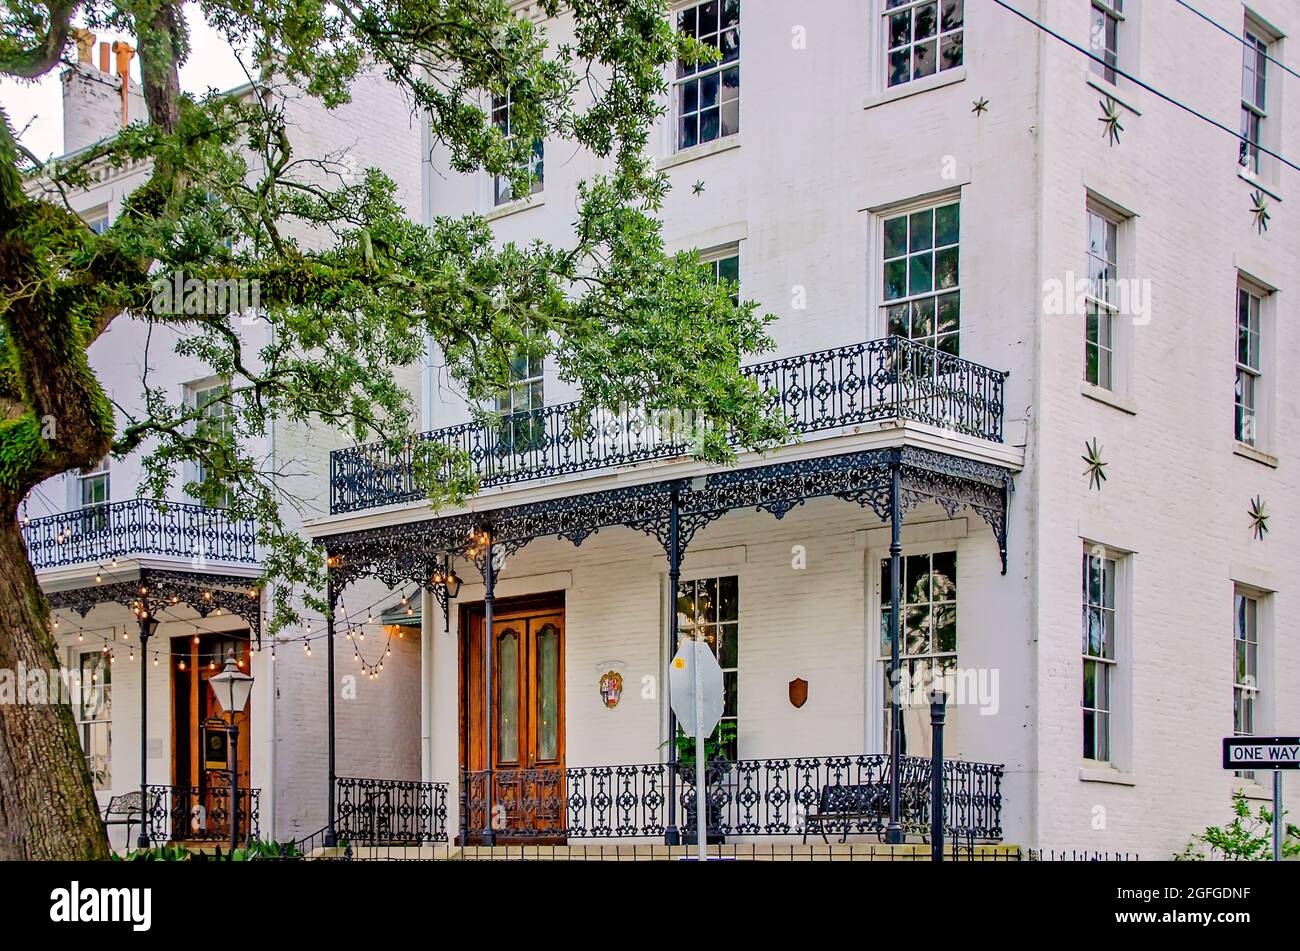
(869, 851)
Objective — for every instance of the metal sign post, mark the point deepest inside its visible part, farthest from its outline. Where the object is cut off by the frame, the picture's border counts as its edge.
(695, 695)
(1276, 753)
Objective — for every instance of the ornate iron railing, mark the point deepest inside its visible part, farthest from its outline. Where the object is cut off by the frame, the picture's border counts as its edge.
(770, 797)
(390, 811)
(195, 814)
(885, 379)
(100, 533)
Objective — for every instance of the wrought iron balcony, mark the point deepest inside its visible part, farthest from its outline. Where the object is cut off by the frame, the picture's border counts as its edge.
(890, 379)
(100, 533)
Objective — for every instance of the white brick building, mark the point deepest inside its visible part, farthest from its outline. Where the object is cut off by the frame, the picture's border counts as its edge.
(865, 170)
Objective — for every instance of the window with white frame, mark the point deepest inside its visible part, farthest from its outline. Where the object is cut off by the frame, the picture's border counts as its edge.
(520, 404)
(1099, 653)
(97, 220)
(1107, 15)
(1254, 94)
(922, 276)
(93, 494)
(927, 638)
(1101, 306)
(1245, 664)
(1249, 367)
(709, 609)
(503, 189)
(707, 93)
(724, 265)
(94, 709)
(922, 37)
(216, 422)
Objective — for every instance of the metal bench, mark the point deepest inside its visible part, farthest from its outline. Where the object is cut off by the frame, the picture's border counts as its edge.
(864, 807)
(124, 810)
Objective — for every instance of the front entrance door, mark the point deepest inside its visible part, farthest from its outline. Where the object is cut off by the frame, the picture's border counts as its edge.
(200, 806)
(526, 797)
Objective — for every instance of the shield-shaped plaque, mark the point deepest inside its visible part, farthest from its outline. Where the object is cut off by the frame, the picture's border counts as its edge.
(798, 692)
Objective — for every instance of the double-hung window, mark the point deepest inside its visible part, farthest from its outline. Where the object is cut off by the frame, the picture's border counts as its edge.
(927, 646)
(93, 493)
(94, 709)
(1107, 15)
(724, 266)
(1254, 95)
(1099, 653)
(922, 37)
(503, 187)
(523, 427)
(708, 609)
(1101, 264)
(1249, 367)
(1245, 664)
(922, 276)
(215, 424)
(707, 93)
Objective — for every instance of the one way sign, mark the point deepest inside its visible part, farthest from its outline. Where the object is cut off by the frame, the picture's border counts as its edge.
(1261, 752)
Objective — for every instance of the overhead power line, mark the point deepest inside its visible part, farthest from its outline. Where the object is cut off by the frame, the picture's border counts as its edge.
(1147, 86)
(1237, 36)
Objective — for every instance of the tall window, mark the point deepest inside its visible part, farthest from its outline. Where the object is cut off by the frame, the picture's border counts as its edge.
(1246, 410)
(922, 279)
(1101, 306)
(1245, 664)
(522, 425)
(504, 190)
(927, 636)
(94, 709)
(709, 608)
(93, 495)
(1254, 99)
(1104, 36)
(216, 422)
(708, 93)
(922, 37)
(1099, 659)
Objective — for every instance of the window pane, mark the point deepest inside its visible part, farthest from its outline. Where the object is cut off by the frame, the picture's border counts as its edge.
(548, 686)
(508, 701)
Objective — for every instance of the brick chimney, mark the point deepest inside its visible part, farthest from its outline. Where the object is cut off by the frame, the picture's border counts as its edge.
(95, 105)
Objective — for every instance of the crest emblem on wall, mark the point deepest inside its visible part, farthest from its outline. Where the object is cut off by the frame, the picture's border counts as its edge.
(611, 688)
(798, 692)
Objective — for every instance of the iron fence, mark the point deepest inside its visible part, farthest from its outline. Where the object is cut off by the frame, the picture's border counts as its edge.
(390, 811)
(199, 814)
(100, 533)
(878, 380)
(829, 796)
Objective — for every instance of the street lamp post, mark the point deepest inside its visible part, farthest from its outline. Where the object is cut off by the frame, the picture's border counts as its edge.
(148, 625)
(232, 687)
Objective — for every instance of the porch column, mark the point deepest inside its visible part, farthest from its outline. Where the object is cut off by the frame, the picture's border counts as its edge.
(148, 624)
(894, 831)
(331, 838)
(672, 836)
(489, 597)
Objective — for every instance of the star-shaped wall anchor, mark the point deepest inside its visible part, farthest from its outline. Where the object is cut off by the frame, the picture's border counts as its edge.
(1110, 120)
(697, 188)
(1096, 471)
(1258, 512)
(1259, 208)
(981, 106)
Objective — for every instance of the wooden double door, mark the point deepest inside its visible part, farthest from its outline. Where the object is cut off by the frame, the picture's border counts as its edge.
(522, 796)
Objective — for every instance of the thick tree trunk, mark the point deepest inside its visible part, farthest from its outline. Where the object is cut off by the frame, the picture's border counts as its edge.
(47, 802)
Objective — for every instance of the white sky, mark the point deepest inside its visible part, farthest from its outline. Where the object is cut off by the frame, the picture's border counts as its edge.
(212, 65)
